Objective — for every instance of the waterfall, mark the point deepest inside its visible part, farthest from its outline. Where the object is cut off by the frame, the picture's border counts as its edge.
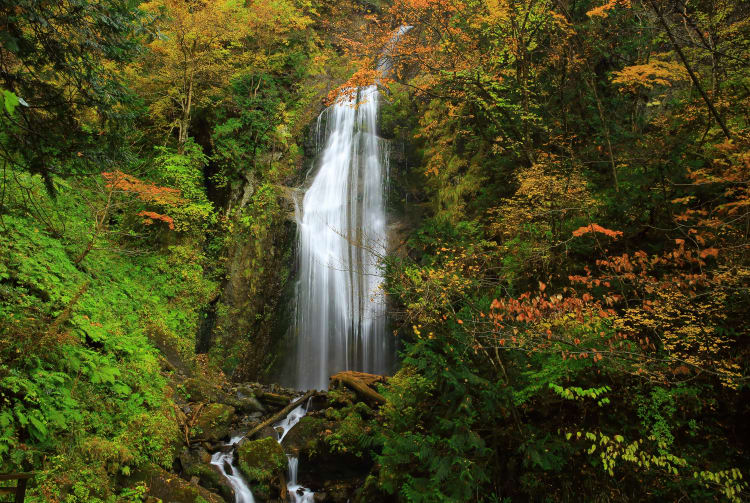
(340, 309)
(340, 320)
(223, 461)
(297, 493)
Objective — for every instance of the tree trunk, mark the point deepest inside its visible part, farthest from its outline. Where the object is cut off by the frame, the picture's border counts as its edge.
(358, 381)
(279, 415)
(185, 119)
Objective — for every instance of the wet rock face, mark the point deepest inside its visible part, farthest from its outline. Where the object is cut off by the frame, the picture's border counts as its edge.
(213, 423)
(264, 464)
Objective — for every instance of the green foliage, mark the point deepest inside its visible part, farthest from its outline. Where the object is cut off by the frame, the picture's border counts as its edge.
(253, 120)
(356, 432)
(444, 458)
(80, 380)
(184, 171)
(657, 415)
(74, 92)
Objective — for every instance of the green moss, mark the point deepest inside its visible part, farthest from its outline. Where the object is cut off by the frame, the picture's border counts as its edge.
(213, 422)
(210, 479)
(305, 435)
(264, 463)
(169, 487)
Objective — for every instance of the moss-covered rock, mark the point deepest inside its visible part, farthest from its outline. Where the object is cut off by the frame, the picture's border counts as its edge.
(264, 464)
(213, 423)
(305, 435)
(249, 404)
(201, 390)
(210, 478)
(168, 487)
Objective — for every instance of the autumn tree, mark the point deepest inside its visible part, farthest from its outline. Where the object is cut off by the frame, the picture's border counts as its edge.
(198, 46)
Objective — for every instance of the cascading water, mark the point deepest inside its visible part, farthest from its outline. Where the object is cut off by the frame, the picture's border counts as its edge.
(340, 322)
(223, 460)
(340, 319)
(297, 493)
(340, 310)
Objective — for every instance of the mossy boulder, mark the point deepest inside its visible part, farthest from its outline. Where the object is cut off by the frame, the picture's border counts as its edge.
(201, 390)
(213, 423)
(264, 464)
(168, 487)
(249, 404)
(305, 435)
(210, 478)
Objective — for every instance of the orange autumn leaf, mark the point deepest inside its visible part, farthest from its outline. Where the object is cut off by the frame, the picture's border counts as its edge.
(603, 10)
(150, 216)
(709, 252)
(596, 228)
(145, 191)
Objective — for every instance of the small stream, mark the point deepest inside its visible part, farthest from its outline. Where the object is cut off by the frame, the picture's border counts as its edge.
(297, 493)
(224, 459)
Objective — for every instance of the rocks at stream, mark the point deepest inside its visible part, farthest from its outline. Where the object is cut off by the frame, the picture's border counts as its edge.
(337, 472)
(168, 487)
(208, 415)
(194, 465)
(264, 465)
(213, 423)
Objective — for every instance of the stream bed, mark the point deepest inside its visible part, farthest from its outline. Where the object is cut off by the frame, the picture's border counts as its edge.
(224, 461)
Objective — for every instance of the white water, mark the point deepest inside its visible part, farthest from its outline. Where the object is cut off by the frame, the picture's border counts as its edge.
(340, 309)
(297, 493)
(223, 460)
(289, 421)
(340, 318)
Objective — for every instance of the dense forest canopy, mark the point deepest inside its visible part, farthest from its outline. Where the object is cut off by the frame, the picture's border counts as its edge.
(568, 273)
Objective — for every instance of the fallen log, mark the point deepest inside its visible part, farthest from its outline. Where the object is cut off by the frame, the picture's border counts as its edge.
(358, 381)
(279, 415)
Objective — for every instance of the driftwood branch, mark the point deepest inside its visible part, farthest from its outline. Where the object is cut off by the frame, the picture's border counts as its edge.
(279, 415)
(360, 382)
